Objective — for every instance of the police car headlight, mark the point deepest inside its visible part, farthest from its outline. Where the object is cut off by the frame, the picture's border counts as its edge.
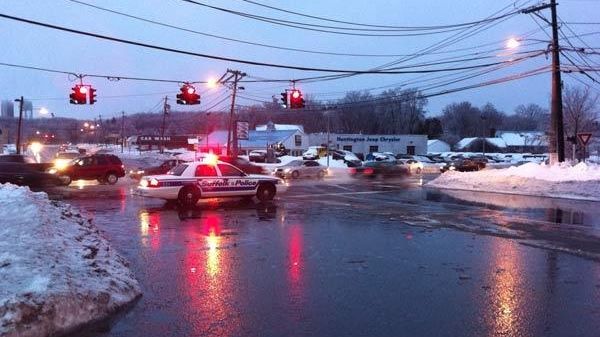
(452, 168)
(144, 183)
(287, 170)
(52, 171)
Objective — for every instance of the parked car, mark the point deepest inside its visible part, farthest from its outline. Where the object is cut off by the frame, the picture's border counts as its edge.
(26, 175)
(379, 156)
(349, 158)
(258, 156)
(301, 168)
(414, 166)
(463, 166)
(243, 164)
(163, 168)
(314, 153)
(106, 168)
(380, 169)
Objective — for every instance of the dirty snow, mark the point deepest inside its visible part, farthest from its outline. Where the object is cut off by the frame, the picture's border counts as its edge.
(57, 272)
(581, 181)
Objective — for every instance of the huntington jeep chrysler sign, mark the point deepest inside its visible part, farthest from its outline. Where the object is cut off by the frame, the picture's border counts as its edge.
(369, 139)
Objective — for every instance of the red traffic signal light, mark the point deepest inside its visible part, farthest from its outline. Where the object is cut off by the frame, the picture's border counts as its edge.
(188, 95)
(296, 99)
(78, 95)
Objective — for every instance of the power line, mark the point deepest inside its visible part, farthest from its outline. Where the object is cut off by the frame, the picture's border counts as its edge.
(325, 29)
(109, 77)
(387, 100)
(231, 39)
(221, 58)
(363, 24)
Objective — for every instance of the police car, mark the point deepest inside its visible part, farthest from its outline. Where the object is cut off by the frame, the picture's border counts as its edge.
(189, 182)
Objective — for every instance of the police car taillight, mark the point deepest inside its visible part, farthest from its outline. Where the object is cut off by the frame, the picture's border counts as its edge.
(368, 171)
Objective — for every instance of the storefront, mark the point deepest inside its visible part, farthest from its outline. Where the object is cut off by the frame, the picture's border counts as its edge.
(364, 144)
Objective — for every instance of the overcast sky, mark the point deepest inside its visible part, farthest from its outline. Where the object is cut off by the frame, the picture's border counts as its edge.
(42, 47)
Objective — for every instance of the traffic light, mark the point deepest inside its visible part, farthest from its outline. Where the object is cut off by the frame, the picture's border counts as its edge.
(296, 99)
(284, 99)
(193, 97)
(79, 94)
(92, 95)
(188, 95)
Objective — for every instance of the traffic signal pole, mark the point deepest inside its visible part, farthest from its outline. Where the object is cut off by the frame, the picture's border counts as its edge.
(21, 102)
(162, 129)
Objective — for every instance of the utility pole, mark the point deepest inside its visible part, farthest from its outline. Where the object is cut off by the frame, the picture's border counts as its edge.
(235, 76)
(21, 102)
(556, 112)
(162, 129)
(122, 130)
(556, 137)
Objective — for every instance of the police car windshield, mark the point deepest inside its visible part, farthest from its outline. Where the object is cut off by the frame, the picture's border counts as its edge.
(178, 170)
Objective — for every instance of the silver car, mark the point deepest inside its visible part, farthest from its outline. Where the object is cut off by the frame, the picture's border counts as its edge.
(301, 168)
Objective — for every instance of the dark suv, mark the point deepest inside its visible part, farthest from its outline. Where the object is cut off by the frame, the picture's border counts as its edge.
(106, 168)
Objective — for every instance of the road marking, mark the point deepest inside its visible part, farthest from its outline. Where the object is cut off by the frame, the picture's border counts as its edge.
(340, 193)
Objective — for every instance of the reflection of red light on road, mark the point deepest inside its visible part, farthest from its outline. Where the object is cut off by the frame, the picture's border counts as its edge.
(150, 228)
(122, 197)
(211, 225)
(295, 254)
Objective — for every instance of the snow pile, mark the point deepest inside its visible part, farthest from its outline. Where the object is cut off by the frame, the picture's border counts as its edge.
(581, 181)
(56, 271)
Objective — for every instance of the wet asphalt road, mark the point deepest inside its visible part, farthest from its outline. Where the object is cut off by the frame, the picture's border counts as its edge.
(353, 258)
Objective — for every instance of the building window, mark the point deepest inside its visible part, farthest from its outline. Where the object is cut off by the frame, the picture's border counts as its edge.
(347, 148)
(410, 149)
(373, 148)
(298, 140)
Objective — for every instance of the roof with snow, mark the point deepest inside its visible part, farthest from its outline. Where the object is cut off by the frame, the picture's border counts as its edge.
(466, 142)
(524, 138)
(433, 141)
(279, 127)
(257, 139)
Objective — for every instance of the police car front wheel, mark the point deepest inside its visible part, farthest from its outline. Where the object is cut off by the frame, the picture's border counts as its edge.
(188, 196)
(265, 192)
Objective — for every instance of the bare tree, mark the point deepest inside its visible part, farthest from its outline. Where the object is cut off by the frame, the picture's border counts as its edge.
(580, 107)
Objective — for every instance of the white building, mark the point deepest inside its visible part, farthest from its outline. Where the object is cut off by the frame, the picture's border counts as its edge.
(273, 126)
(437, 146)
(475, 144)
(365, 144)
(295, 141)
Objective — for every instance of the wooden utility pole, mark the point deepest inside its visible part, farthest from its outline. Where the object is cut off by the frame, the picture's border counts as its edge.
(20, 124)
(162, 129)
(235, 76)
(122, 130)
(556, 112)
(556, 136)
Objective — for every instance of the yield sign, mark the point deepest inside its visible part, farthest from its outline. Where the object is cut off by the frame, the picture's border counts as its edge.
(584, 137)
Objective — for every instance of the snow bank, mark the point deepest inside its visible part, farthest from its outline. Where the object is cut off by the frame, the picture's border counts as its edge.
(56, 270)
(581, 181)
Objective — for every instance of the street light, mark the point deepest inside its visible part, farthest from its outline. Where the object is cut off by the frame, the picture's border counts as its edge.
(212, 83)
(513, 43)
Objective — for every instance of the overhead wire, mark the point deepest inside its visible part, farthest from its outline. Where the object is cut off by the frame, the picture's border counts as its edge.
(360, 24)
(327, 29)
(265, 64)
